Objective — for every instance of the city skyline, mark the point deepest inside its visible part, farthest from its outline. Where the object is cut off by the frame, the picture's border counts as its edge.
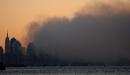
(88, 31)
(70, 37)
(14, 57)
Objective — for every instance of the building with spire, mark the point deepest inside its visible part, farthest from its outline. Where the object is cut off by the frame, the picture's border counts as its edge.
(7, 44)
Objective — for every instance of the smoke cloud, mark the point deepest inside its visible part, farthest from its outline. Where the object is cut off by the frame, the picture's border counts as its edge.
(98, 34)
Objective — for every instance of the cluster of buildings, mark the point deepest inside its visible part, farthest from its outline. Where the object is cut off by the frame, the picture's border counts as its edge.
(13, 54)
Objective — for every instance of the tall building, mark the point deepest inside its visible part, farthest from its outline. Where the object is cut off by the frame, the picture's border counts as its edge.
(16, 51)
(7, 44)
(1, 54)
(31, 56)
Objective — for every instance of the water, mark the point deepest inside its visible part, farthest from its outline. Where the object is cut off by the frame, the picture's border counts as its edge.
(67, 70)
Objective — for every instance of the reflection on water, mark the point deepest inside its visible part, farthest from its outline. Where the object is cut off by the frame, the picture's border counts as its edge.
(96, 70)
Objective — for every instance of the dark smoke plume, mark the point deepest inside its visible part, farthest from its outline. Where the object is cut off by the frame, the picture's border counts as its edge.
(100, 36)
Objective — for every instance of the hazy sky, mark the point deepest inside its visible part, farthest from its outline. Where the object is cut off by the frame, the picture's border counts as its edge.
(15, 15)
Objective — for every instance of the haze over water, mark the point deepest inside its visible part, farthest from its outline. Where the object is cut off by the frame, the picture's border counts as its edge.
(75, 31)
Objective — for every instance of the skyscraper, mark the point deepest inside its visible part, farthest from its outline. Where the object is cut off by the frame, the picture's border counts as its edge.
(7, 44)
(1, 54)
(16, 51)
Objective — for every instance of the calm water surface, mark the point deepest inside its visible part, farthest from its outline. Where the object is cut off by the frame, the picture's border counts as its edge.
(67, 70)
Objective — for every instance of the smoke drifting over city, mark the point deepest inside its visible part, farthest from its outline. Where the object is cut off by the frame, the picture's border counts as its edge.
(99, 34)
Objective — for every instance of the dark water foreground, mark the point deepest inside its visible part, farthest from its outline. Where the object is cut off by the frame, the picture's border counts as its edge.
(67, 70)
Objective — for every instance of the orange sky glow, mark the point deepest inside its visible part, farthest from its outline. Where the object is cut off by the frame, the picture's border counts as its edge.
(15, 15)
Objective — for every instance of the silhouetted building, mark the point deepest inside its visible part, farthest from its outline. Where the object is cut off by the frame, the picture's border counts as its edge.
(15, 45)
(31, 54)
(2, 66)
(16, 51)
(7, 55)
(1, 54)
(7, 44)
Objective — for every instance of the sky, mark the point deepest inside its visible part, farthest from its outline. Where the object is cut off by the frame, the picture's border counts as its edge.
(16, 15)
